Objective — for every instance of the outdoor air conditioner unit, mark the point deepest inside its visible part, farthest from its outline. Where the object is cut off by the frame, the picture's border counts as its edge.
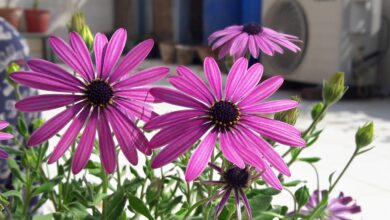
(337, 35)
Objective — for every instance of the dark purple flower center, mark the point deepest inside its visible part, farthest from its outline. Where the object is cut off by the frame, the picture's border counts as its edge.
(224, 114)
(252, 28)
(237, 177)
(99, 93)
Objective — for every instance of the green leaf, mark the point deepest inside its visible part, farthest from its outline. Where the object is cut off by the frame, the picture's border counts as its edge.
(47, 186)
(330, 178)
(154, 190)
(115, 205)
(269, 191)
(302, 195)
(138, 205)
(15, 170)
(13, 193)
(310, 159)
(292, 183)
(261, 202)
(43, 217)
(22, 127)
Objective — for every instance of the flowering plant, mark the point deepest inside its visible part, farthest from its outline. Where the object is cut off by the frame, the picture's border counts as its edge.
(214, 157)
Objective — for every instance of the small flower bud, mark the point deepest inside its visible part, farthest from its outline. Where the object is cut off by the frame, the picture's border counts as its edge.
(316, 111)
(87, 37)
(289, 116)
(77, 22)
(333, 89)
(364, 135)
(13, 67)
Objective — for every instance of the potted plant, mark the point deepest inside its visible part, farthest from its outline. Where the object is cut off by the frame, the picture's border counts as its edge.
(37, 20)
(11, 14)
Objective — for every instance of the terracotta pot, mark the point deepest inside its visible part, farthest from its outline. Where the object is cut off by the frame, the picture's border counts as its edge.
(12, 15)
(37, 20)
(184, 54)
(204, 51)
(167, 52)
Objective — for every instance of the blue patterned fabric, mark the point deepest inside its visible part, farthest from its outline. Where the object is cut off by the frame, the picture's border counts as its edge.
(13, 48)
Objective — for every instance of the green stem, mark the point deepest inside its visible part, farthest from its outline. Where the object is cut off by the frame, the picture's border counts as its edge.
(105, 189)
(343, 172)
(118, 173)
(27, 197)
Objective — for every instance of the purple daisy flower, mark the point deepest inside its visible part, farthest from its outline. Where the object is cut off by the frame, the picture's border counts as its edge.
(237, 40)
(101, 98)
(233, 116)
(338, 208)
(4, 136)
(234, 180)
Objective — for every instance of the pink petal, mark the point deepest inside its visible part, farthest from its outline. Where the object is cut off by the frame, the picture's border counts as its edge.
(139, 109)
(53, 70)
(239, 44)
(67, 54)
(5, 136)
(131, 132)
(274, 46)
(225, 49)
(132, 59)
(195, 82)
(275, 130)
(46, 102)
(144, 77)
(139, 94)
(247, 205)
(270, 178)
(176, 98)
(69, 136)
(3, 124)
(248, 82)
(177, 148)
(200, 157)
(223, 40)
(262, 91)
(42, 81)
(113, 51)
(179, 131)
(251, 139)
(99, 47)
(213, 75)
(170, 119)
(234, 77)
(228, 151)
(81, 50)
(270, 107)
(121, 134)
(85, 145)
(54, 125)
(3, 154)
(263, 45)
(181, 84)
(106, 144)
(253, 47)
(222, 203)
(226, 31)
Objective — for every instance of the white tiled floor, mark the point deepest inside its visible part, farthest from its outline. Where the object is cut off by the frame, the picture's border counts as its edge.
(368, 179)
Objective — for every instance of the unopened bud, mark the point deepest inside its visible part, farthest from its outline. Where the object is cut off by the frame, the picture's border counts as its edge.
(13, 67)
(364, 135)
(316, 111)
(333, 89)
(77, 22)
(87, 37)
(289, 116)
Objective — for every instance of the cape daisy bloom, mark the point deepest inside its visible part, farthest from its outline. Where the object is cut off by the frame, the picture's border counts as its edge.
(338, 208)
(101, 98)
(4, 136)
(233, 116)
(237, 40)
(234, 180)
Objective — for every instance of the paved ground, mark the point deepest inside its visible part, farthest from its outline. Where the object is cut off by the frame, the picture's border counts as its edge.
(368, 179)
